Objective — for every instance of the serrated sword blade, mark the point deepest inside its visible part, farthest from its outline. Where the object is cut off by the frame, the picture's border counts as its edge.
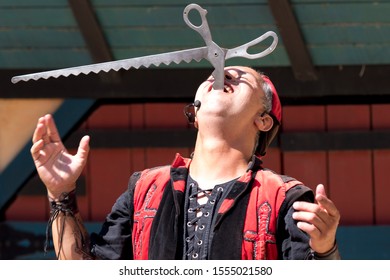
(177, 57)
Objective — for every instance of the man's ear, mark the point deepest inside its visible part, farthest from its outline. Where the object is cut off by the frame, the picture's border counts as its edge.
(196, 118)
(264, 122)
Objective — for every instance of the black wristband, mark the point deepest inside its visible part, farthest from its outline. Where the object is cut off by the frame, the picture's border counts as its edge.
(332, 254)
(67, 203)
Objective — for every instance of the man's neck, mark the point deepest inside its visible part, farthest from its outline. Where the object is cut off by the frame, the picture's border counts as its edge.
(217, 161)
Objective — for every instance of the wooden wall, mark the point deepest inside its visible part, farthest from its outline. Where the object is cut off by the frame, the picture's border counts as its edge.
(356, 180)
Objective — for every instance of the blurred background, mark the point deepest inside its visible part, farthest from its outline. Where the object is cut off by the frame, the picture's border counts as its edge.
(331, 69)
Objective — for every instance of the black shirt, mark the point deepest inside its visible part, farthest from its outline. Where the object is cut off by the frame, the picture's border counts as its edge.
(114, 240)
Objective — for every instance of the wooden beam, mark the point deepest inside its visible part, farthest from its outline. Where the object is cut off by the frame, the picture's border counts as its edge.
(334, 85)
(293, 40)
(93, 35)
(185, 138)
(125, 138)
(335, 140)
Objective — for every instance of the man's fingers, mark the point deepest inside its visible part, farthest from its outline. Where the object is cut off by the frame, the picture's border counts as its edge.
(83, 149)
(305, 206)
(310, 229)
(310, 213)
(46, 130)
(325, 202)
(309, 217)
(36, 148)
(40, 130)
(52, 131)
(320, 190)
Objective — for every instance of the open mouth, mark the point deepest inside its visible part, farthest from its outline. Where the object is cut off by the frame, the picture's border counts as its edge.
(227, 88)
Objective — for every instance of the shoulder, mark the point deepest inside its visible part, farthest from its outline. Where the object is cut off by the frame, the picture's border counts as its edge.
(293, 188)
(147, 174)
(269, 176)
(147, 183)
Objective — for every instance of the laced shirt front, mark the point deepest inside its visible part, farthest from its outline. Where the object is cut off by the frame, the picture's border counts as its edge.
(201, 206)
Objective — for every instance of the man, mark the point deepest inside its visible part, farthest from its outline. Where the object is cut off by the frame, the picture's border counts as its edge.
(195, 207)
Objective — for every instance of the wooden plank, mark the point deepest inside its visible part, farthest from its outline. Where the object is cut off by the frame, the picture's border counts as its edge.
(137, 116)
(348, 117)
(327, 1)
(347, 34)
(45, 58)
(303, 118)
(28, 208)
(138, 158)
(231, 36)
(36, 3)
(381, 162)
(82, 191)
(108, 173)
(351, 54)
(342, 12)
(111, 17)
(24, 38)
(380, 116)
(160, 115)
(273, 159)
(109, 116)
(243, 14)
(105, 3)
(183, 37)
(163, 156)
(308, 167)
(351, 186)
(37, 17)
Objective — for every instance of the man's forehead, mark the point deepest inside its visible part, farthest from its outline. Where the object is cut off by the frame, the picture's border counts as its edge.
(241, 70)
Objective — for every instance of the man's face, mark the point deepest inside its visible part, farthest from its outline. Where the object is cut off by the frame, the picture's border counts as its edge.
(241, 96)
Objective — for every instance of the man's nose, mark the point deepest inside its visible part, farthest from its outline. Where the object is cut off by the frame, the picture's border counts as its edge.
(228, 76)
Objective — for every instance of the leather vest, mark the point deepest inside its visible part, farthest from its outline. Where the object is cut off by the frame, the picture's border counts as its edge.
(267, 191)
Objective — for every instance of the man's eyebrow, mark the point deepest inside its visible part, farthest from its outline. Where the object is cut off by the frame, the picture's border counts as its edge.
(243, 72)
(249, 73)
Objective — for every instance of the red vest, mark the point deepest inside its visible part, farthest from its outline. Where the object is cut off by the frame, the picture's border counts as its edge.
(267, 192)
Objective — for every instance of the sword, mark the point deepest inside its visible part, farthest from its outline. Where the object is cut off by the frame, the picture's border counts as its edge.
(211, 52)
